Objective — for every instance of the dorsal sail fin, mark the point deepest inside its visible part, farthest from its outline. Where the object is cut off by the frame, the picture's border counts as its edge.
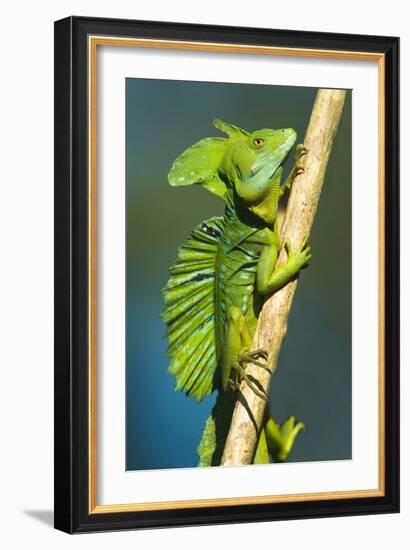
(189, 311)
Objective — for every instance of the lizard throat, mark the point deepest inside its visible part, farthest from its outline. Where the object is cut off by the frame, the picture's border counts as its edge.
(267, 209)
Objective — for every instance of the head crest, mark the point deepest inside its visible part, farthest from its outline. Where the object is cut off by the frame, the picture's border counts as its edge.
(230, 129)
(200, 163)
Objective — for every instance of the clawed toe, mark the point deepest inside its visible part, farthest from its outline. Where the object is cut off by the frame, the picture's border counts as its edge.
(233, 385)
(253, 385)
(261, 353)
(301, 150)
(247, 356)
(253, 356)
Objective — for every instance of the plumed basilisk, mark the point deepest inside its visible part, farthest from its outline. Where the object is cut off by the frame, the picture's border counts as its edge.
(223, 271)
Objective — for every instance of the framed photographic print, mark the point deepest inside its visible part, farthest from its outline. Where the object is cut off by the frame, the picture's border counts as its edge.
(226, 274)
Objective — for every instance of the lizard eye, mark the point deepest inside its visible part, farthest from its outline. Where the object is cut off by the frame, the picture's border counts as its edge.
(258, 142)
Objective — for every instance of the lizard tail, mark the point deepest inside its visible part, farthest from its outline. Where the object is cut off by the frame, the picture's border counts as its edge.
(211, 446)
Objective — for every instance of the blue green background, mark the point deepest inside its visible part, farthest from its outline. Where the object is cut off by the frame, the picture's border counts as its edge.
(313, 382)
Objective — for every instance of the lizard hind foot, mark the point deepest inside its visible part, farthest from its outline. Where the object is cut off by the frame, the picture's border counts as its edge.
(250, 381)
(247, 356)
(234, 385)
(259, 353)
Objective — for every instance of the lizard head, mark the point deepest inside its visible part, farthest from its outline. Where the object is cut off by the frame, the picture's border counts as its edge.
(252, 167)
(244, 169)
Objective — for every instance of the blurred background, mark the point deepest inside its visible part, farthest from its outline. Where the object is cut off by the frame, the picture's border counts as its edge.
(313, 381)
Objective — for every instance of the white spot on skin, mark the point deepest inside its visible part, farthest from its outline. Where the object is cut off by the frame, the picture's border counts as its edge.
(181, 178)
(203, 157)
(193, 173)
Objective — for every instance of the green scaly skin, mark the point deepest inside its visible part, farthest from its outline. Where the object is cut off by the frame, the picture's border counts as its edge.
(222, 274)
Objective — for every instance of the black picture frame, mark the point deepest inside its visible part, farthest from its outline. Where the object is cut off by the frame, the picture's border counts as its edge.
(71, 492)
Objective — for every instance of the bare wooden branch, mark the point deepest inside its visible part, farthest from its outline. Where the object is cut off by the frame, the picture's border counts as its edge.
(272, 324)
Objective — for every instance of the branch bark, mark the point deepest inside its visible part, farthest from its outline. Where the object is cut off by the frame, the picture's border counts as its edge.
(272, 325)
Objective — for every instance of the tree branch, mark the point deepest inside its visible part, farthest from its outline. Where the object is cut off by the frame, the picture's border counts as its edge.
(272, 325)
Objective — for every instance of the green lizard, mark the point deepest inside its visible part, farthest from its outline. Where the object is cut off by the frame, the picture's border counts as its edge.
(223, 271)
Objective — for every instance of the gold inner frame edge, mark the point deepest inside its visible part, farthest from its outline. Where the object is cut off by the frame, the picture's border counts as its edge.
(93, 42)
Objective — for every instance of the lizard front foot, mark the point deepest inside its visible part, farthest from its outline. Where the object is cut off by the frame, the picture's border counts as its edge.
(301, 257)
(300, 152)
(297, 168)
